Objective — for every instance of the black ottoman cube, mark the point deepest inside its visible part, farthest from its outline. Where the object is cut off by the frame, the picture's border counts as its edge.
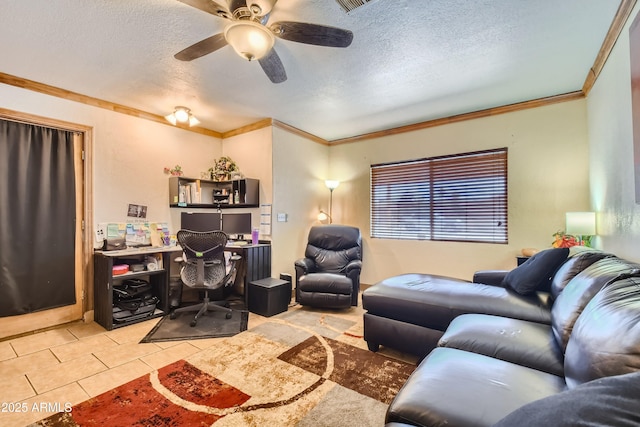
(269, 296)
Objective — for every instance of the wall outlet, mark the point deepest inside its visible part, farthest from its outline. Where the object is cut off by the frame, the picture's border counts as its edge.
(100, 234)
(282, 217)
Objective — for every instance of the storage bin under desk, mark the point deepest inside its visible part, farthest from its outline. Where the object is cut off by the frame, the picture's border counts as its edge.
(269, 296)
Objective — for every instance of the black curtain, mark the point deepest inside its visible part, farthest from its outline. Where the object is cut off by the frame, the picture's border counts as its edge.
(37, 218)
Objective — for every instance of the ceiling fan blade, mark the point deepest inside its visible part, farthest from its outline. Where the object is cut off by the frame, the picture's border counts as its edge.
(202, 48)
(273, 68)
(315, 34)
(208, 6)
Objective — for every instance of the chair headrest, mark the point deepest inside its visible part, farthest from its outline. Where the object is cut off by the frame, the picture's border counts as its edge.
(335, 237)
(201, 245)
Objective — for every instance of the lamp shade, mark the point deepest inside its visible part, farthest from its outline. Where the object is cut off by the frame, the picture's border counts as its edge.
(249, 39)
(331, 184)
(581, 223)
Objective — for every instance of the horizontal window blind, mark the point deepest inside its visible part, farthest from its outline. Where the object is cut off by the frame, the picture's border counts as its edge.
(461, 197)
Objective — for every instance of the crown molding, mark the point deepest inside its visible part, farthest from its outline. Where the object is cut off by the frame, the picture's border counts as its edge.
(248, 128)
(96, 102)
(618, 23)
(88, 100)
(571, 96)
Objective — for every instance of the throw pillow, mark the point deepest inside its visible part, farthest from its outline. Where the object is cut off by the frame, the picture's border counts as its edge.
(610, 401)
(536, 272)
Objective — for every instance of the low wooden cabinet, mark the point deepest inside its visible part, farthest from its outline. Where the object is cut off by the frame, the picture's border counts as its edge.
(104, 280)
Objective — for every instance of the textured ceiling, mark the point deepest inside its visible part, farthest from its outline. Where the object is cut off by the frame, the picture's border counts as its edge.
(410, 61)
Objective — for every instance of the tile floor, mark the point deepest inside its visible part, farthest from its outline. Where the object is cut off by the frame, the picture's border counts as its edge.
(43, 372)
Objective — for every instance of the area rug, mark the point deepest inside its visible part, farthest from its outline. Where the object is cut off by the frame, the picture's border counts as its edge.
(212, 325)
(296, 369)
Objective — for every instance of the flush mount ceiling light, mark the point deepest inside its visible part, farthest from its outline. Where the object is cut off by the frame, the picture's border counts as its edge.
(249, 39)
(182, 115)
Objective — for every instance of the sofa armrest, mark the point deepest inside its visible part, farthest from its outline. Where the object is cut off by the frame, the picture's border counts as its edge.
(490, 277)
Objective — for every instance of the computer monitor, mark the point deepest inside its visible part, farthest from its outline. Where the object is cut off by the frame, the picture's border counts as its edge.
(200, 221)
(237, 224)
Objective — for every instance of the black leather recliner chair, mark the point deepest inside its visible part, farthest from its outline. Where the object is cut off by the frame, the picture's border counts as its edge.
(329, 274)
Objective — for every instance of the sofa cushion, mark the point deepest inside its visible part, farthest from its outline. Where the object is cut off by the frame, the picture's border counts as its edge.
(580, 257)
(525, 343)
(611, 401)
(606, 337)
(579, 291)
(536, 272)
(459, 388)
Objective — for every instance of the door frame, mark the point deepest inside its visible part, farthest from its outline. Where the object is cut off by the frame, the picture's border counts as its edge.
(27, 323)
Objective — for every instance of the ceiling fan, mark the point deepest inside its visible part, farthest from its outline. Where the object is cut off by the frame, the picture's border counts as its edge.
(249, 35)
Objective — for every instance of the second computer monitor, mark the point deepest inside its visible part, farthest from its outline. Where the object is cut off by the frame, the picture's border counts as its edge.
(238, 224)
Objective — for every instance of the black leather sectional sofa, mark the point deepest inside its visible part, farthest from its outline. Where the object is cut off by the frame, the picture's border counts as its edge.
(512, 344)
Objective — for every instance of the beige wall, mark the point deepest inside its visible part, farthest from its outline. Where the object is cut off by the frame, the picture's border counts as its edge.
(548, 176)
(299, 169)
(611, 154)
(252, 153)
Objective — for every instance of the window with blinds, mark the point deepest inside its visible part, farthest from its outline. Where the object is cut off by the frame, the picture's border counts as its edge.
(461, 197)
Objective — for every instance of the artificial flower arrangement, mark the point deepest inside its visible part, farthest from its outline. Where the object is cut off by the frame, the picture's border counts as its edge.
(564, 240)
(176, 171)
(222, 168)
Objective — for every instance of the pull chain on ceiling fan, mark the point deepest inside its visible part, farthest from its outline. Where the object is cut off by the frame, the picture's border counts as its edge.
(250, 37)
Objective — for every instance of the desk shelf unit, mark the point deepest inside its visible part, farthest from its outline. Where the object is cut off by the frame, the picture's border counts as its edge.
(104, 281)
(203, 193)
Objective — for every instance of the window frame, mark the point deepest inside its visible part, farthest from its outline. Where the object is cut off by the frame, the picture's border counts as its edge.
(459, 197)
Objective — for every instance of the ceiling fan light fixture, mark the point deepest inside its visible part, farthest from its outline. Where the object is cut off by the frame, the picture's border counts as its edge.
(182, 115)
(260, 7)
(249, 39)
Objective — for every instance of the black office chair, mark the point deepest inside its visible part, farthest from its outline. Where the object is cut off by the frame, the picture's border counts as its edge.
(204, 268)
